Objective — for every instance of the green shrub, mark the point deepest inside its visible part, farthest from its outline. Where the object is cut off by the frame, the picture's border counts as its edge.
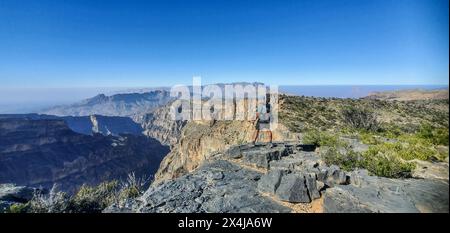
(385, 164)
(348, 160)
(322, 138)
(360, 118)
(368, 138)
(437, 136)
(94, 199)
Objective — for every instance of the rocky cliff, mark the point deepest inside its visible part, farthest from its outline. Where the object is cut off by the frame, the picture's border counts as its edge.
(46, 151)
(160, 125)
(194, 141)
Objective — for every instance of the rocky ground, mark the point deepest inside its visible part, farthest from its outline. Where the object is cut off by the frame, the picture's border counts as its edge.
(286, 177)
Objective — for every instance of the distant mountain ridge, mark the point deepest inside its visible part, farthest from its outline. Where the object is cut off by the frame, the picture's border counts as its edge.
(130, 103)
(127, 104)
(411, 94)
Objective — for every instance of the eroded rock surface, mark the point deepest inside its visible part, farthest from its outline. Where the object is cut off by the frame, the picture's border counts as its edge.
(377, 194)
(277, 177)
(216, 186)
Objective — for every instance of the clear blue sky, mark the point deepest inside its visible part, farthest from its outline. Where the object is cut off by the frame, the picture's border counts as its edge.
(159, 43)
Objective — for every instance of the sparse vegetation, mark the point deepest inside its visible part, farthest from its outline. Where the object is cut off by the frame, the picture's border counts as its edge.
(385, 164)
(360, 118)
(322, 138)
(396, 131)
(88, 199)
(435, 135)
(94, 199)
(380, 163)
(348, 160)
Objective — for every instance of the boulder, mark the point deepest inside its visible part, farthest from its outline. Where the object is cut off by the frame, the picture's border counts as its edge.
(311, 184)
(234, 152)
(335, 176)
(262, 156)
(270, 181)
(293, 189)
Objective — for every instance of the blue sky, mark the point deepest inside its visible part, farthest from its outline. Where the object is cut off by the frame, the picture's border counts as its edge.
(87, 43)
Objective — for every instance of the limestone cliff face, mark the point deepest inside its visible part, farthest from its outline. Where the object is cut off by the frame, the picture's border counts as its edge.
(198, 140)
(159, 124)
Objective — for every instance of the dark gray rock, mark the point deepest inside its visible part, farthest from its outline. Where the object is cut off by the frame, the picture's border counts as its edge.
(219, 185)
(270, 181)
(261, 156)
(322, 174)
(376, 194)
(216, 186)
(335, 176)
(311, 184)
(293, 189)
(234, 152)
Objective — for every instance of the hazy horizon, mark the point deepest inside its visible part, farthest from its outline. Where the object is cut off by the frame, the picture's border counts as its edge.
(30, 100)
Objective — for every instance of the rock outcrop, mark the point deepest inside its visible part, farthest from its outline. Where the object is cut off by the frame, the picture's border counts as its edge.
(382, 195)
(194, 141)
(200, 139)
(43, 152)
(11, 194)
(292, 178)
(159, 125)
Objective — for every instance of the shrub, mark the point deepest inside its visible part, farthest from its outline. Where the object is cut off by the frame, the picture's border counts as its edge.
(437, 136)
(88, 199)
(360, 118)
(53, 202)
(348, 160)
(368, 138)
(322, 138)
(385, 164)
(94, 199)
(133, 187)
